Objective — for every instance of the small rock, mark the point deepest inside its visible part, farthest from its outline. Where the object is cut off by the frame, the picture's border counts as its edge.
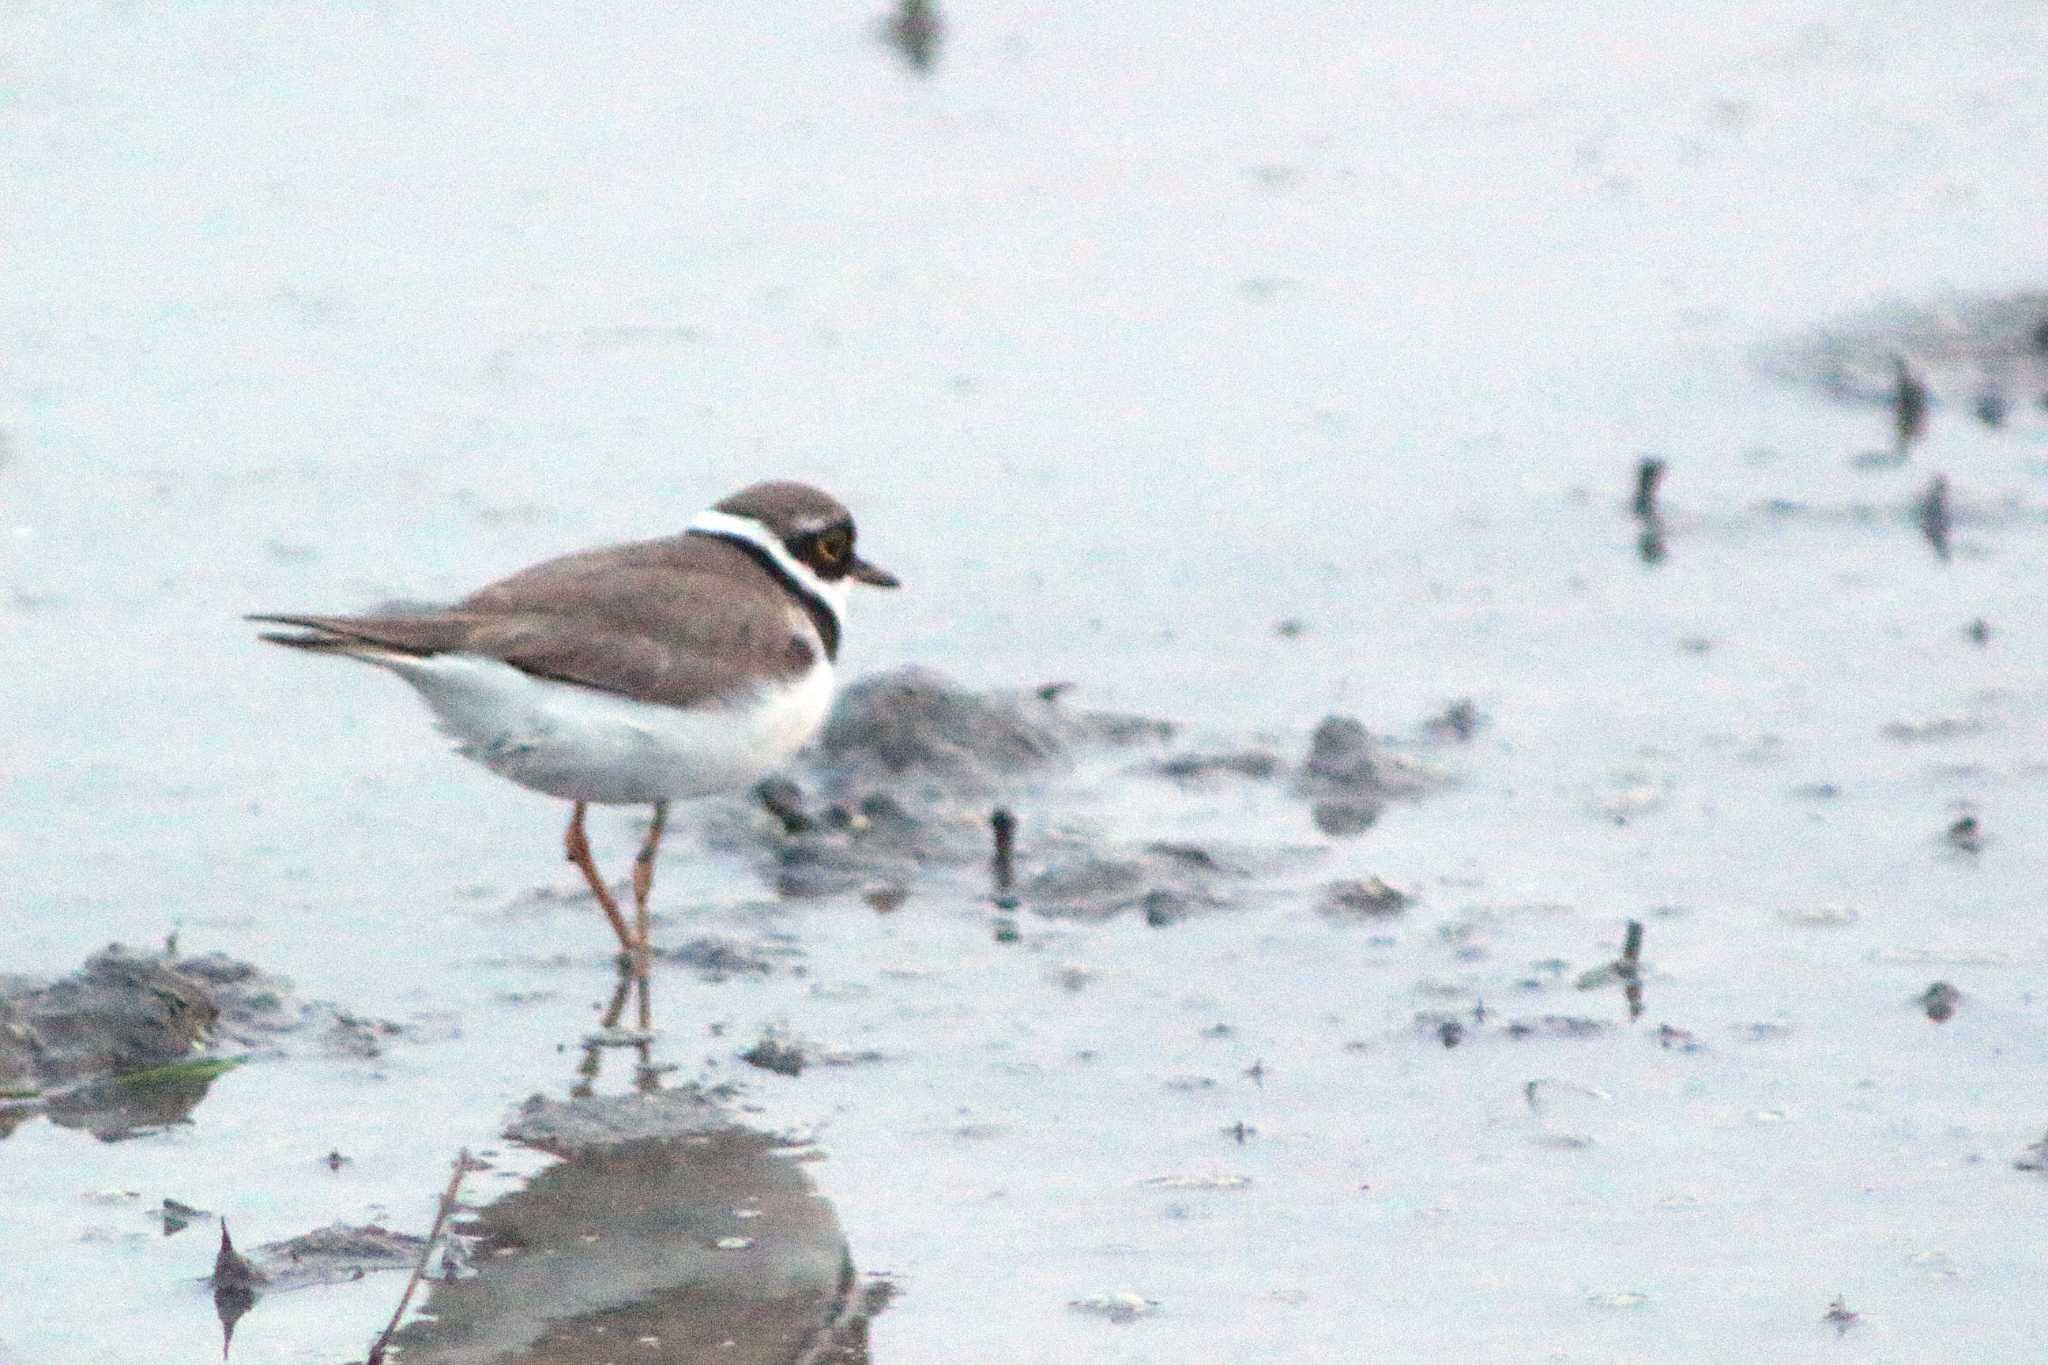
(1940, 1000)
(1254, 764)
(1340, 758)
(784, 800)
(2035, 1159)
(1966, 835)
(1163, 907)
(1225, 1183)
(1118, 1308)
(1458, 721)
(176, 1216)
(776, 1052)
(1557, 1026)
(718, 958)
(1369, 898)
(1677, 1039)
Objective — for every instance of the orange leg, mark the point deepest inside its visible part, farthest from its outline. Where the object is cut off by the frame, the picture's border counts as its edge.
(643, 887)
(578, 848)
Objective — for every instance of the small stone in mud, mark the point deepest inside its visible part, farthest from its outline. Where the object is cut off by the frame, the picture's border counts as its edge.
(718, 958)
(1458, 721)
(1289, 628)
(1163, 907)
(776, 1052)
(1342, 819)
(2036, 1158)
(885, 900)
(1931, 513)
(1940, 1001)
(334, 1160)
(1966, 835)
(1450, 1032)
(1340, 757)
(1255, 764)
(784, 800)
(1978, 632)
(176, 1215)
(1932, 730)
(1220, 1183)
(1367, 898)
(1676, 1039)
(1840, 1316)
(1556, 1026)
(1990, 408)
(1118, 1308)
(1092, 880)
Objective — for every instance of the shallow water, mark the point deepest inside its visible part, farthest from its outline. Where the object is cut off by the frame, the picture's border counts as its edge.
(1127, 337)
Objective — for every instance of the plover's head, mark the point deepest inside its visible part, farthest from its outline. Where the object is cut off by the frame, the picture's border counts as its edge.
(810, 525)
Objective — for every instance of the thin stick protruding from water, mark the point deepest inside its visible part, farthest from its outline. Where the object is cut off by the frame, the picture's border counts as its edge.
(1004, 825)
(463, 1165)
(1649, 473)
(1630, 968)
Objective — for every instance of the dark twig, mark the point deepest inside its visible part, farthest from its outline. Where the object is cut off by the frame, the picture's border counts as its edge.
(1650, 542)
(1004, 825)
(1649, 473)
(1931, 512)
(915, 30)
(1909, 405)
(1630, 968)
(463, 1165)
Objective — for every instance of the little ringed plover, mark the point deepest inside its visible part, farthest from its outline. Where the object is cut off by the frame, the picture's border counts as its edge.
(638, 674)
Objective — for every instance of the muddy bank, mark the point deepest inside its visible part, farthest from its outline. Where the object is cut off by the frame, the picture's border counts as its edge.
(898, 795)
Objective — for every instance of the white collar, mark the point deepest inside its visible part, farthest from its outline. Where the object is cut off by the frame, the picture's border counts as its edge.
(726, 526)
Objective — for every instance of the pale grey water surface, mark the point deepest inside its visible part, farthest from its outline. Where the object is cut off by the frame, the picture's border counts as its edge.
(1128, 331)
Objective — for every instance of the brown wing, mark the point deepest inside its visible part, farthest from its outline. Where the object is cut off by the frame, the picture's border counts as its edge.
(685, 622)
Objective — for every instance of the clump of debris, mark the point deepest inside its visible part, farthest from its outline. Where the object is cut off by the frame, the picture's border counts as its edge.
(130, 1042)
(905, 775)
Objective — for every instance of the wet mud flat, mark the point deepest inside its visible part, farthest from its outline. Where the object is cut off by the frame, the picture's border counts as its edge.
(1247, 377)
(130, 1042)
(662, 1218)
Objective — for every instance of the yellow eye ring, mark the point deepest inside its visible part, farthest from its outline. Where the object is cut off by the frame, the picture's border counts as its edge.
(835, 545)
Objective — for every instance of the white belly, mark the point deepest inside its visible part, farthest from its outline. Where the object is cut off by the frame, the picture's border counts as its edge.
(583, 744)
